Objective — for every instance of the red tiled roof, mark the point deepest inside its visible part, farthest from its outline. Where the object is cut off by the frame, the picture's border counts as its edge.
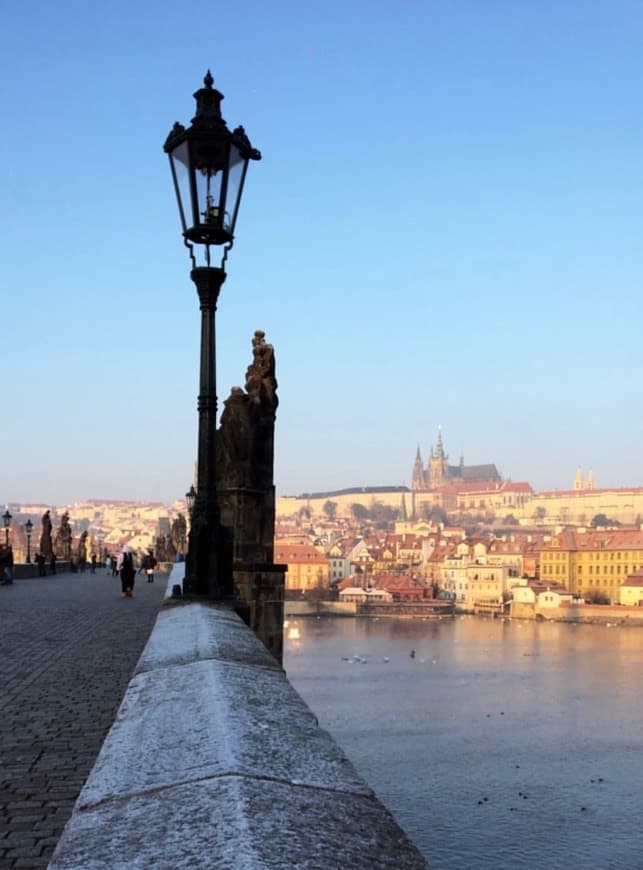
(483, 486)
(297, 553)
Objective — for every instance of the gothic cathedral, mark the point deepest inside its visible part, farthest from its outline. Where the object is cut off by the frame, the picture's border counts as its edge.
(439, 473)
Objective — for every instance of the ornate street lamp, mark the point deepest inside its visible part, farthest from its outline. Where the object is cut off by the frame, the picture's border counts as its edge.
(6, 518)
(29, 530)
(208, 165)
(190, 498)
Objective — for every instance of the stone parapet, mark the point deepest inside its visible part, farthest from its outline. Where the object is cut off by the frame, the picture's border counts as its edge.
(214, 760)
(24, 570)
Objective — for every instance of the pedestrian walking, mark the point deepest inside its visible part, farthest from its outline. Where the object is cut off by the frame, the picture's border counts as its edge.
(127, 572)
(94, 560)
(52, 563)
(149, 563)
(6, 566)
(113, 564)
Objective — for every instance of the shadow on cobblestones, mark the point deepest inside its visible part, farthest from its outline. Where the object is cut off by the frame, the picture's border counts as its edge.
(68, 645)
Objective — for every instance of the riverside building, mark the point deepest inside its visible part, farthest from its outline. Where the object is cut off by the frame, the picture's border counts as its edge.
(592, 563)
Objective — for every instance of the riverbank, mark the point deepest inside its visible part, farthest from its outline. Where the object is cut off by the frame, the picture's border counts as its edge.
(583, 614)
(434, 609)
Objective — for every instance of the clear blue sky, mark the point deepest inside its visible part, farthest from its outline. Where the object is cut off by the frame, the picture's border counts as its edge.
(445, 229)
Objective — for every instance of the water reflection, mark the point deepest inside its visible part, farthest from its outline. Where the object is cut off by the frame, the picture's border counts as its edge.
(501, 744)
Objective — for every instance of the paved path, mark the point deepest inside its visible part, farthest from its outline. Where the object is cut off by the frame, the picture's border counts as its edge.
(68, 646)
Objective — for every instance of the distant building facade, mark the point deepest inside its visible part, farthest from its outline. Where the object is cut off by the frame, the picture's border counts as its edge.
(307, 567)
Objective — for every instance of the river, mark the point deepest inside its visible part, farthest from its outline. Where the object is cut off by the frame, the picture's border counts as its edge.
(499, 745)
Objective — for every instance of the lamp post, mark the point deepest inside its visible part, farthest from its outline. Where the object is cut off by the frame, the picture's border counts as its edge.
(29, 530)
(208, 165)
(6, 518)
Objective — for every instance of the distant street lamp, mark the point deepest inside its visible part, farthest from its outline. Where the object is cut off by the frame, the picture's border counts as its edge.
(29, 530)
(208, 165)
(6, 518)
(190, 497)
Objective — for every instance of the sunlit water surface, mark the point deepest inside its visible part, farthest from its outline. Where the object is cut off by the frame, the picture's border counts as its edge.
(501, 744)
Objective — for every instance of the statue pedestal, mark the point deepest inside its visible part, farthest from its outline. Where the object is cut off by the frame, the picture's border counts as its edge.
(259, 591)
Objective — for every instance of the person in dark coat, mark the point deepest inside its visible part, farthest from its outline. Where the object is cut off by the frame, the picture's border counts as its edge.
(127, 572)
(6, 566)
(149, 564)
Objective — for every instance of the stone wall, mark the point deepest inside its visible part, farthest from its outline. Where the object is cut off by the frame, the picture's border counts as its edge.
(214, 760)
(320, 608)
(592, 614)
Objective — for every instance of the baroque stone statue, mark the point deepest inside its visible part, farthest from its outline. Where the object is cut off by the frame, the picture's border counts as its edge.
(245, 456)
(45, 536)
(179, 534)
(81, 550)
(62, 543)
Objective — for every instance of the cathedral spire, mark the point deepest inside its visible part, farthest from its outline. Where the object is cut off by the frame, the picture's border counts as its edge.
(439, 450)
(417, 476)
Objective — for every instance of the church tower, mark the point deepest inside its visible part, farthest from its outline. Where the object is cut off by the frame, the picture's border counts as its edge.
(590, 479)
(438, 464)
(578, 480)
(418, 481)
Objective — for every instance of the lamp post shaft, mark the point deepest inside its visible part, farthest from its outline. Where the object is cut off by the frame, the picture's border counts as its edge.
(208, 570)
(28, 548)
(208, 281)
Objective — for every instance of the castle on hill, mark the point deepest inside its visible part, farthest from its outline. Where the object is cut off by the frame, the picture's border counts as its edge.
(439, 473)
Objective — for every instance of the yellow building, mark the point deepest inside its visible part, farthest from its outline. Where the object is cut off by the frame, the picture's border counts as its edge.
(632, 590)
(307, 567)
(486, 587)
(592, 563)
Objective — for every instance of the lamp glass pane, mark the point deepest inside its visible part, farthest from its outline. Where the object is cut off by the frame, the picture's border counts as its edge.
(235, 184)
(179, 163)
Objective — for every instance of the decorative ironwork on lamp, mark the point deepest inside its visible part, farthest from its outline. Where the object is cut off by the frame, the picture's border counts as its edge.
(208, 165)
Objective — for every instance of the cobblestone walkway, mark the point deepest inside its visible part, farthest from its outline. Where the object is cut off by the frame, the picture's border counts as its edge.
(68, 646)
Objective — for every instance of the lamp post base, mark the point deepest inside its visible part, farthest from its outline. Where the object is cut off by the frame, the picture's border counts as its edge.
(208, 569)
